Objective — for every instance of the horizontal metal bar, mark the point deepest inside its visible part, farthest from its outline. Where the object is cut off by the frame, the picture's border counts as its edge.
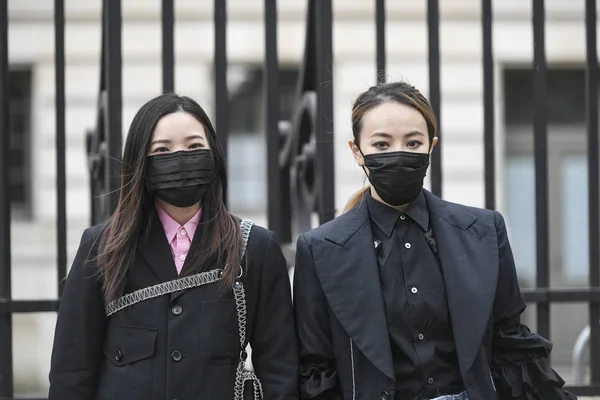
(561, 295)
(27, 306)
(23, 398)
(587, 390)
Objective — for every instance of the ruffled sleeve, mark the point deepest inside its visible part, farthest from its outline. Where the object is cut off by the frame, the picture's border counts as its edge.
(318, 379)
(520, 367)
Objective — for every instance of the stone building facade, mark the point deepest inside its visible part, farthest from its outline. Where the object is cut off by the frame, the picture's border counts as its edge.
(31, 55)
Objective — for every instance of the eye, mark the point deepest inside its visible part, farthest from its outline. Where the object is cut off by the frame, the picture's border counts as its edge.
(160, 149)
(414, 144)
(380, 145)
(196, 146)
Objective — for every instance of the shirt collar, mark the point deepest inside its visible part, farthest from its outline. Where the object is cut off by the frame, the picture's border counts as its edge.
(171, 227)
(385, 217)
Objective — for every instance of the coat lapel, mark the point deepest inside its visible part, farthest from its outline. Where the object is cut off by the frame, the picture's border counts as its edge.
(468, 254)
(156, 252)
(346, 265)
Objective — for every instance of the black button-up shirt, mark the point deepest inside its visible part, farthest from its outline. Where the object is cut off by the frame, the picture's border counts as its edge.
(414, 294)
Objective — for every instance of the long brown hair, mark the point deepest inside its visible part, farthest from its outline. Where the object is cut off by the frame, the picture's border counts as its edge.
(399, 92)
(129, 226)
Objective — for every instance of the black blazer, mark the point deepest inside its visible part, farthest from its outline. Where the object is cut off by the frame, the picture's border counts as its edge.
(344, 343)
(131, 355)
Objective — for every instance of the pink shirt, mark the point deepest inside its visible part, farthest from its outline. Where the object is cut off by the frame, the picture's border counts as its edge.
(179, 237)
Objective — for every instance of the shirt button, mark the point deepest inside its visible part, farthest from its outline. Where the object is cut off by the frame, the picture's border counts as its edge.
(182, 257)
(430, 381)
(177, 310)
(407, 245)
(403, 217)
(183, 232)
(421, 336)
(118, 355)
(176, 355)
(414, 290)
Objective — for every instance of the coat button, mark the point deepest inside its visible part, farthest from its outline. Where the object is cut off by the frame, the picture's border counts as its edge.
(118, 355)
(176, 355)
(177, 310)
(385, 396)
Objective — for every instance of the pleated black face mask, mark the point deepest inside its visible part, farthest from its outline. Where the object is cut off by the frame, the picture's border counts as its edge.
(397, 176)
(181, 178)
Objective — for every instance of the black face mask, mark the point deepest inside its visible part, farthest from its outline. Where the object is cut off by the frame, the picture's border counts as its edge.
(397, 176)
(181, 178)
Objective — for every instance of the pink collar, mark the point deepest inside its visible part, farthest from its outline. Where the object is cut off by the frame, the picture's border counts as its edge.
(171, 226)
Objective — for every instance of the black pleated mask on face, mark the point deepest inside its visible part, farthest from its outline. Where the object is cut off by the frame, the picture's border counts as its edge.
(397, 176)
(181, 178)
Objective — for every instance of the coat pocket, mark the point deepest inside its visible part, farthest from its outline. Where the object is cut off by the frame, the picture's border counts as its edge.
(129, 362)
(129, 344)
(219, 332)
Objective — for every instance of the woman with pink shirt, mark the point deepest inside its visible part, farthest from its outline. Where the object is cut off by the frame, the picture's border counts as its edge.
(163, 298)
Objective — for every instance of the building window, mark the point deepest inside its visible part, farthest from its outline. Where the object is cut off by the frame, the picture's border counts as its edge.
(567, 193)
(20, 141)
(567, 172)
(247, 141)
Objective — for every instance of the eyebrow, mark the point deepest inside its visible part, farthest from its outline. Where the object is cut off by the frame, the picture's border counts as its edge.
(406, 135)
(165, 141)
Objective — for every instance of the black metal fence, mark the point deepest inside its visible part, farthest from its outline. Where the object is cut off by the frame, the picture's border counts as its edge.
(300, 159)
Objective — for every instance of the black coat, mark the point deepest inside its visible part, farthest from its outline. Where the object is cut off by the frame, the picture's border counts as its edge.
(130, 355)
(344, 344)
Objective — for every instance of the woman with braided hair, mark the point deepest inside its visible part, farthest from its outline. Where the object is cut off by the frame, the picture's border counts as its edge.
(406, 296)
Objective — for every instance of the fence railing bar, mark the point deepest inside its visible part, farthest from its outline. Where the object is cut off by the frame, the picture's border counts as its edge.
(6, 370)
(94, 135)
(588, 390)
(488, 106)
(168, 46)
(380, 43)
(433, 30)
(574, 295)
(220, 74)
(28, 306)
(324, 134)
(61, 173)
(540, 140)
(276, 194)
(114, 119)
(593, 182)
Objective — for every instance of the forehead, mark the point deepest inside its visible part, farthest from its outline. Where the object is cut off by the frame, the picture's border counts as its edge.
(177, 125)
(393, 117)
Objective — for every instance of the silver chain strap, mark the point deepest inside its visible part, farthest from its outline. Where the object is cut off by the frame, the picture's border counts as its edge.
(162, 289)
(241, 375)
(193, 281)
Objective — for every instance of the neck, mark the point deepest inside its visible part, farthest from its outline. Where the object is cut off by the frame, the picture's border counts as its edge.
(180, 214)
(400, 208)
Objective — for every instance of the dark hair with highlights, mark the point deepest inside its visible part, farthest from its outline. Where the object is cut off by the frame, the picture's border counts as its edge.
(129, 226)
(399, 92)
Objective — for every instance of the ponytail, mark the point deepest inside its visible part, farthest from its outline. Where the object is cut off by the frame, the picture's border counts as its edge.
(356, 198)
